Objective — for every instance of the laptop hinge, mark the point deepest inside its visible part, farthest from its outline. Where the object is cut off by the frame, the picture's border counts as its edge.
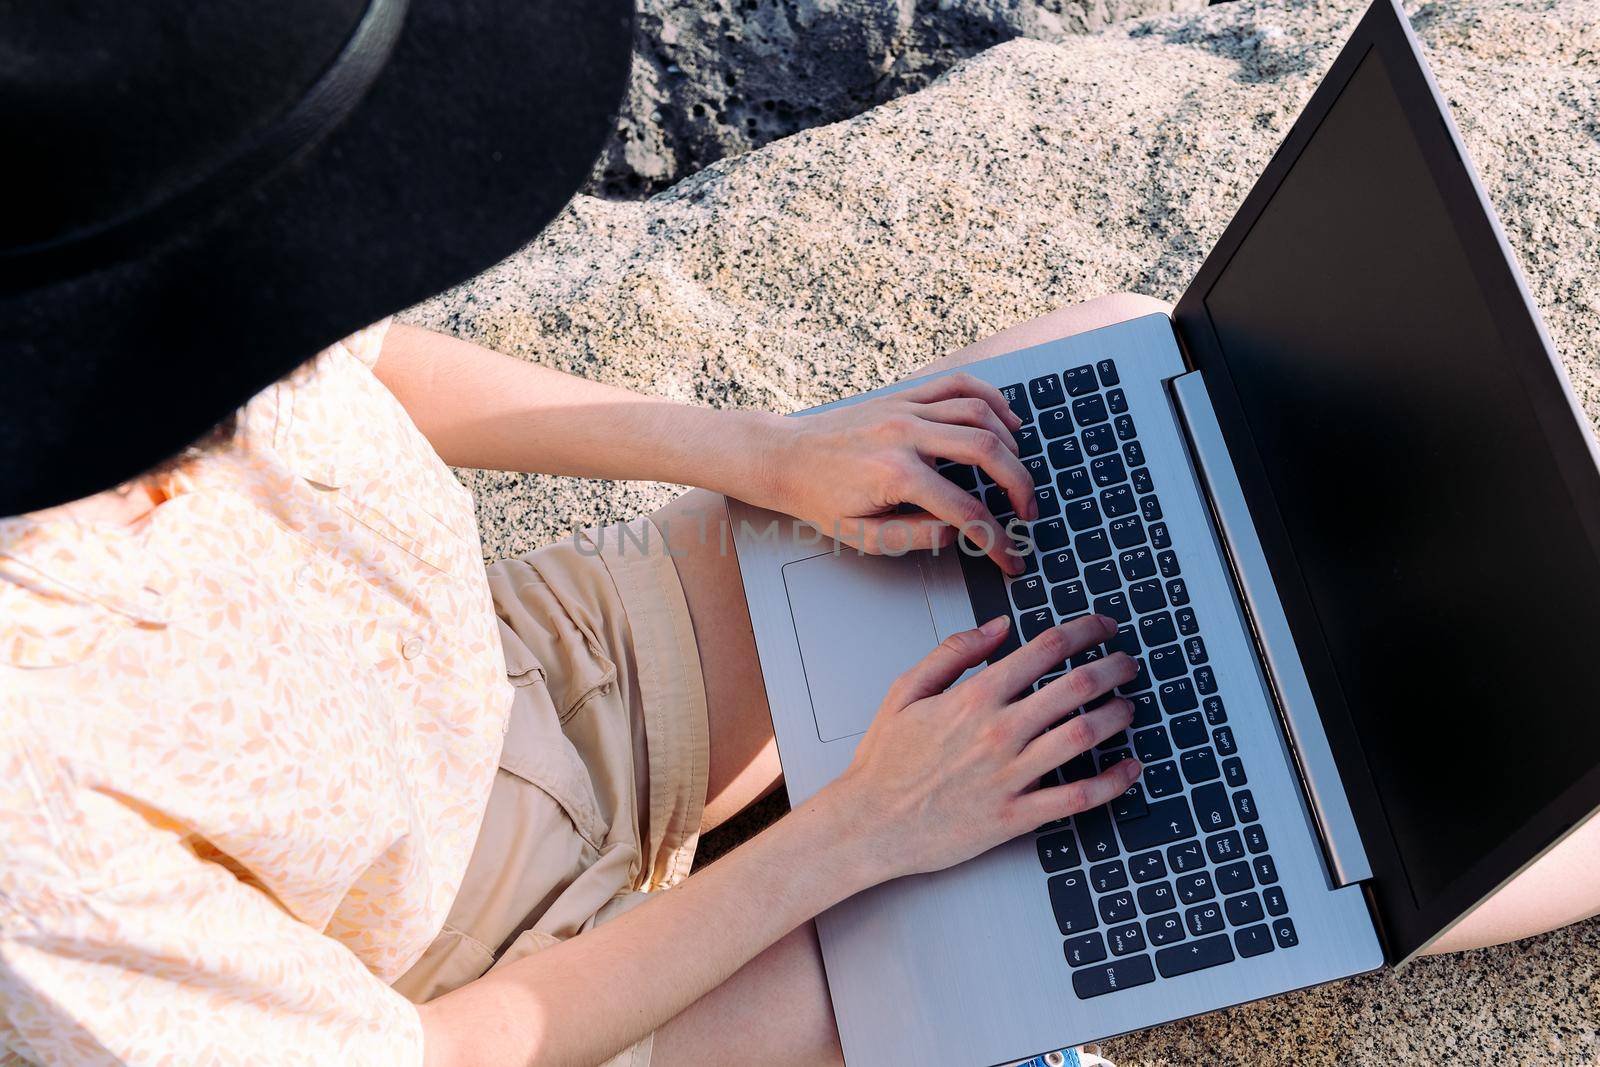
(1328, 808)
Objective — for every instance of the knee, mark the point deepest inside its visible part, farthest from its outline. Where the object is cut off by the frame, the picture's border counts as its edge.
(1119, 307)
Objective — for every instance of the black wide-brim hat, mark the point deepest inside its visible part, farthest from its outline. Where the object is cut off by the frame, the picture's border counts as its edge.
(203, 196)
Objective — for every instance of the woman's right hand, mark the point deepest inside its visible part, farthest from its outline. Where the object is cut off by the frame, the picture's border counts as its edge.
(947, 773)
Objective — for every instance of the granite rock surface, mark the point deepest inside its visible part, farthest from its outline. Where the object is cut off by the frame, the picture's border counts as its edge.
(714, 78)
(1031, 176)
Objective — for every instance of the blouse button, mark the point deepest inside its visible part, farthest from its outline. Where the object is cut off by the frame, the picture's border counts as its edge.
(412, 648)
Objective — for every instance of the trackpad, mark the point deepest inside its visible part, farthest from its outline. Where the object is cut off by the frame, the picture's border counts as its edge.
(861, 621)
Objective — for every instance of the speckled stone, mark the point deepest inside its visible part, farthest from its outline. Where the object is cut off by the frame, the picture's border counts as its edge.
(1035, 175)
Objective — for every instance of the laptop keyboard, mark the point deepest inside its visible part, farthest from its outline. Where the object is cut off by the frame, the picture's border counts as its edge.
(1176, 874)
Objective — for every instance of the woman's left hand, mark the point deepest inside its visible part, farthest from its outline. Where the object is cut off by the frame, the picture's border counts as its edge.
(850, 471)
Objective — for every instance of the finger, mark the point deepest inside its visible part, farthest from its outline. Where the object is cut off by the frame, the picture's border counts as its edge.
(946, 501)
(895, 535)
(939, 669)
(967, 411)
(981, 448)
(960, 383)
(1059, 801)
(1074, 689)
(1073, 738)
(1043, 654)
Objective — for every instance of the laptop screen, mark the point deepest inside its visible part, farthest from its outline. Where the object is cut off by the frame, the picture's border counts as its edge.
(1408, 453)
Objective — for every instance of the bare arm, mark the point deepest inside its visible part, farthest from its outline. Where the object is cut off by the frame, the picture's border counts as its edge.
(941, 776)
(846, 471)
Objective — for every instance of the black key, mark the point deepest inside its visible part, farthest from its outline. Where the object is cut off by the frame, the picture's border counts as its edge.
(1111, 759)
(1283, 930)
(1154, 899)
(1087, 656)
(1092, 546)
(1105, 877)
(1108, 372)
(1028, 592)
(1233, 771)
(1167, 821)
(1089, 410)
(1146, 712)
(1065, 453)
(998, 502)
(1164, 929)
(1124, 428)
(1162, 780)
(1129, 804)
(1159, 537)
(1211, 810)
(1017, 399)
(1137, 563)
(1133, 452)
(1086, 949)
(1077, 768)
(1243, 909)
(1277, 903)
(1185, 857)
(1178, 592)
(1128, 532)
(1038, 469)
(1146, 596)
(1266, 870)
(1069, 599)
(1152, 745)
(1105, 978)
(1193, 888)
(1060, 565)
(1114, 606)
(1253, 940)
(1255, 838)
(1117, 401)
(1147, 866)
(1193, 647)
(1166, 662)
(1057, 851)
(1223, 739)
(1187, 623)
(1080, 380)
(1205, 679)
(1072, 904)
(1126, 939)
(1150, 508)
(1178, 696)
(1028, 441)
(1204, 919)
(1102, 577)
(1098, 440)
(1156, 630)
(1216, 715)
(1095, 834)
(1049, 535)
(1141, 480)
(1169, 564)
(1188, 731)
(1074, 484)
(1055, 423)
(961, 475)
(1141, 679)
(1194, 956)
(1224, 847)
(1198, 766)
(1234, 878)
(1245, 805)
(1033, 623)
(1046, 392)
(1107, 470)
(1084, 514)
(1124, 641)
(1117, 908)
(1116, 501)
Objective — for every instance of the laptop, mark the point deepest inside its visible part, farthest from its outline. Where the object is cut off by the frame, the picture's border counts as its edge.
(1347, 511)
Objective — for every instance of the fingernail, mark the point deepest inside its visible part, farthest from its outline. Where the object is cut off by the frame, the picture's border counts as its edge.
(1135, 768)
(995, 626)
(1107, 621)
